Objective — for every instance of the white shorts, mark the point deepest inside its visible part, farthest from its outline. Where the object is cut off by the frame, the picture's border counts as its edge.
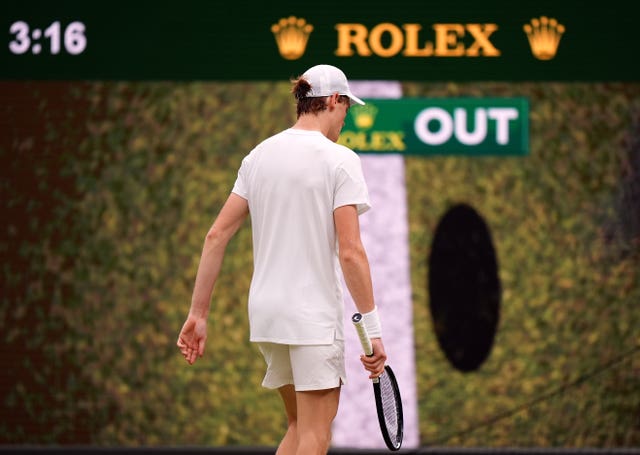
(307, 367)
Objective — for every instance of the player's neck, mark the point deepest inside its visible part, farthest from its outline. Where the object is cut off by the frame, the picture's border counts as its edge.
(312, 122)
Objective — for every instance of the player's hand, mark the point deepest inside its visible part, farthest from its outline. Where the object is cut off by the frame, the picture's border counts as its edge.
(375, 364)
(192, 338)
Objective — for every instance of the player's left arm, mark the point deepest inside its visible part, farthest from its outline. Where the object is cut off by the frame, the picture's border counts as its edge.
(192, 338)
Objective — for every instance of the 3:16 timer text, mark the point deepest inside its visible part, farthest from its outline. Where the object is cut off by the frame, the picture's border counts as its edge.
(24, 39)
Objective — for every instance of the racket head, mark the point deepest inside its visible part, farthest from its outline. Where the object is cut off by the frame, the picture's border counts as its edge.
(389, 407)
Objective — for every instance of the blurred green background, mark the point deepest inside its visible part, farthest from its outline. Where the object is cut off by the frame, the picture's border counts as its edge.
(108, 189)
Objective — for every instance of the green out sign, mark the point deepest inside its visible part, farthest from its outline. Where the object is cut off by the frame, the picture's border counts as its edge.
(452, 126)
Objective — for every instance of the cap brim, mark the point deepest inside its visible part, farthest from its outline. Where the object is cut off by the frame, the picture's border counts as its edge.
(355, 99)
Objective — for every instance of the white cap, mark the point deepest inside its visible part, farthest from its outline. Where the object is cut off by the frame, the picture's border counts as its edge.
(325, 80)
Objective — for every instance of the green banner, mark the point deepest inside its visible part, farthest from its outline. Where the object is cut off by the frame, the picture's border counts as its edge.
(377, 40)
(452, 126)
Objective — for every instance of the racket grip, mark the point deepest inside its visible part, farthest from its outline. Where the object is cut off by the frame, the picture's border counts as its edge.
(362, 333)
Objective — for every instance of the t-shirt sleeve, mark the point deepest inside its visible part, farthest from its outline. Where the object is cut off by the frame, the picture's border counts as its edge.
(351, 187)
(241, 187)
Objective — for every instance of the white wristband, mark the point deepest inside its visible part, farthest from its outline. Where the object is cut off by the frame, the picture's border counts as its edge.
(371, 322)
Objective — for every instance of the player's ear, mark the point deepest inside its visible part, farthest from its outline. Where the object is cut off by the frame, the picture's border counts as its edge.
(333, 100)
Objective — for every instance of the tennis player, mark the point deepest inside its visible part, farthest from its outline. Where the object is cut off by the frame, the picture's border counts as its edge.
(304, 193)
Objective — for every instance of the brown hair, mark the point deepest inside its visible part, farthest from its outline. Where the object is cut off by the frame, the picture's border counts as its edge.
(309, 105)
(304, 104)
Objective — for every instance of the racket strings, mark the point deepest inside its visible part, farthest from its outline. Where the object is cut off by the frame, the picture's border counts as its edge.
(390, 408)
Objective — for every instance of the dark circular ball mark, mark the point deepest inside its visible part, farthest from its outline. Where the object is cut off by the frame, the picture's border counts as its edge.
(464, 287)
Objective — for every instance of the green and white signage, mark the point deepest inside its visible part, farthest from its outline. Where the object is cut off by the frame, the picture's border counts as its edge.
(451, 126)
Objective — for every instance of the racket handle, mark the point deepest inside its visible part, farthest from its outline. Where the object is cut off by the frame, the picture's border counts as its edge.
(362, 333)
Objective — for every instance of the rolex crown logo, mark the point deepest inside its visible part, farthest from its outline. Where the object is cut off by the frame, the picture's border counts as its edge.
(544, 37)
(364, 116)
(291, 35)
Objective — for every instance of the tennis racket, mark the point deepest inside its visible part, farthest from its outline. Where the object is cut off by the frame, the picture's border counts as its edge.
(386, 393)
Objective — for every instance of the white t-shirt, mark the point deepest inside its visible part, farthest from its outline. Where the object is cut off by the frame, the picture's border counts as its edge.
(293, 181)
